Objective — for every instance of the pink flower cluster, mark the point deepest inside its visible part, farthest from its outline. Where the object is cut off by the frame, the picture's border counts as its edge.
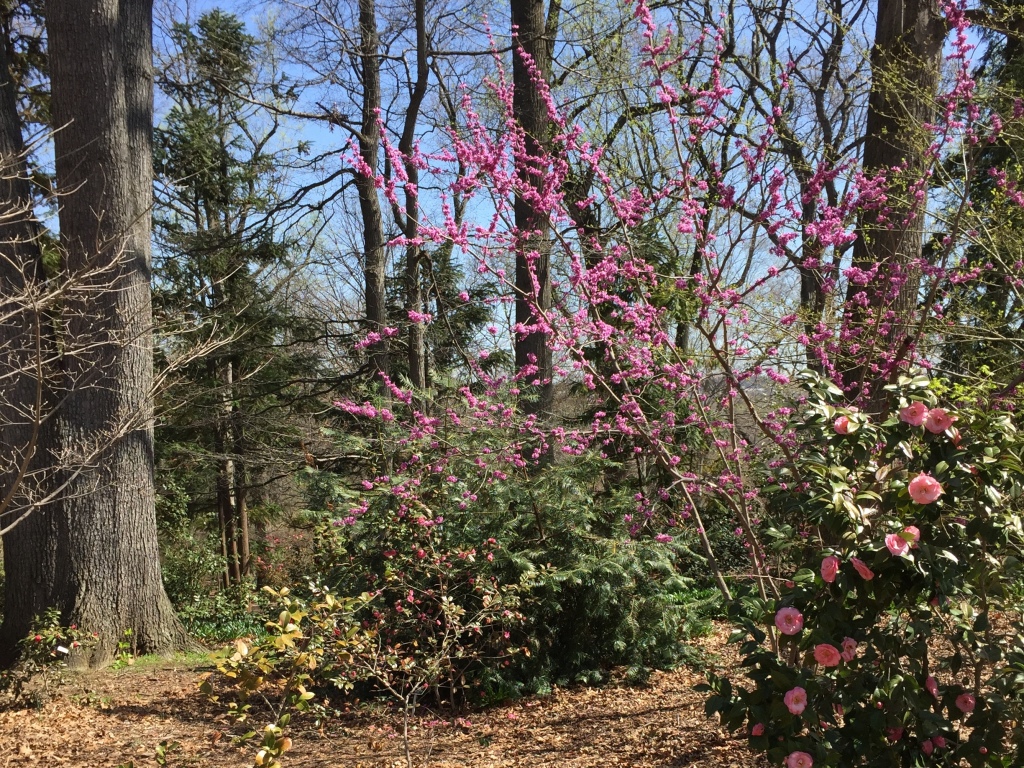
(795, 700)
(830, 568)
(789, 620)
(827, 655)
(966, 703)
(843, 425)
(899, 544)
(935, 420)
(924, 489)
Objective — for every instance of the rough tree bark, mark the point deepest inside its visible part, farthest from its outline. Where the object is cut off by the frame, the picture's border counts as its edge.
(533, 252)
(102, 532)
(905, 67)
(409, 221)
(374, 253)
(27, 438)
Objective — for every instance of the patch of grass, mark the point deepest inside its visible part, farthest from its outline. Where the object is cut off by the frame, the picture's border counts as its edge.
(183, 659)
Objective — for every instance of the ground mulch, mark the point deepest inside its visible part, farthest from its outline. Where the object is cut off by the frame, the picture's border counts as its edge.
(119, 719)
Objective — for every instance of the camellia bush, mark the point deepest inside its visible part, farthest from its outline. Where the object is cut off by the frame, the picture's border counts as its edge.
(896, 639)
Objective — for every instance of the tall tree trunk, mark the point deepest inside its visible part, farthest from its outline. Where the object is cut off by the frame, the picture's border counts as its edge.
(374, 253)
(533, 251)
(241, 480)
(27, 437)
(414, 294)
(226, 477)
(905, 65)
(100, 55)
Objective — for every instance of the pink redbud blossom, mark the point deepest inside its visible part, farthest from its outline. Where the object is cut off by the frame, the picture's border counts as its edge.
(865, 573)
(897, 545)
(849, 649)
(914, 414)
(965, 702)
(938, 421)
(827, 655)
(924, 489)
(789, 620)
(799, 760)
(796, 700)
(829, 568)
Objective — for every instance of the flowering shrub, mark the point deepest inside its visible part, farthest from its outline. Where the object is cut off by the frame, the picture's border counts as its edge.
(44, 655)
(547, 552)
(437, 612)
(898, 639)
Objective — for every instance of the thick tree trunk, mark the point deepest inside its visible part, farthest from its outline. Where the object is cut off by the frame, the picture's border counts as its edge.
(374, 253)
(103, 529)
(533, 251)
(414, 293)
(905, 66)
(27, 437)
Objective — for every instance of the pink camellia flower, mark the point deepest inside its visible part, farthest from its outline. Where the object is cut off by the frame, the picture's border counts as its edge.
(965, 702)
(789, 620)
(927, 747)
(865, 573)
(894, 734)
(849, 649)
(938, 421)
(829, 568)
(932, 686)
(757, 730)
(915, 534)
(897, 545)
(939, 741)
(799, 760)
(827, 655)
(914, 414)
(924, 489)
(842, 425)
(796, 700)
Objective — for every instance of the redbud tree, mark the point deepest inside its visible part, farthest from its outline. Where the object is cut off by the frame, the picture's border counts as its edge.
(880, 520)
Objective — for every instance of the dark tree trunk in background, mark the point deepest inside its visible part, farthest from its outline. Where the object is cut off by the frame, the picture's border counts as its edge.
(533, 252)
(26, 343)
(374, 253)
(414, 293)
(102, 533)
(905, 66)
